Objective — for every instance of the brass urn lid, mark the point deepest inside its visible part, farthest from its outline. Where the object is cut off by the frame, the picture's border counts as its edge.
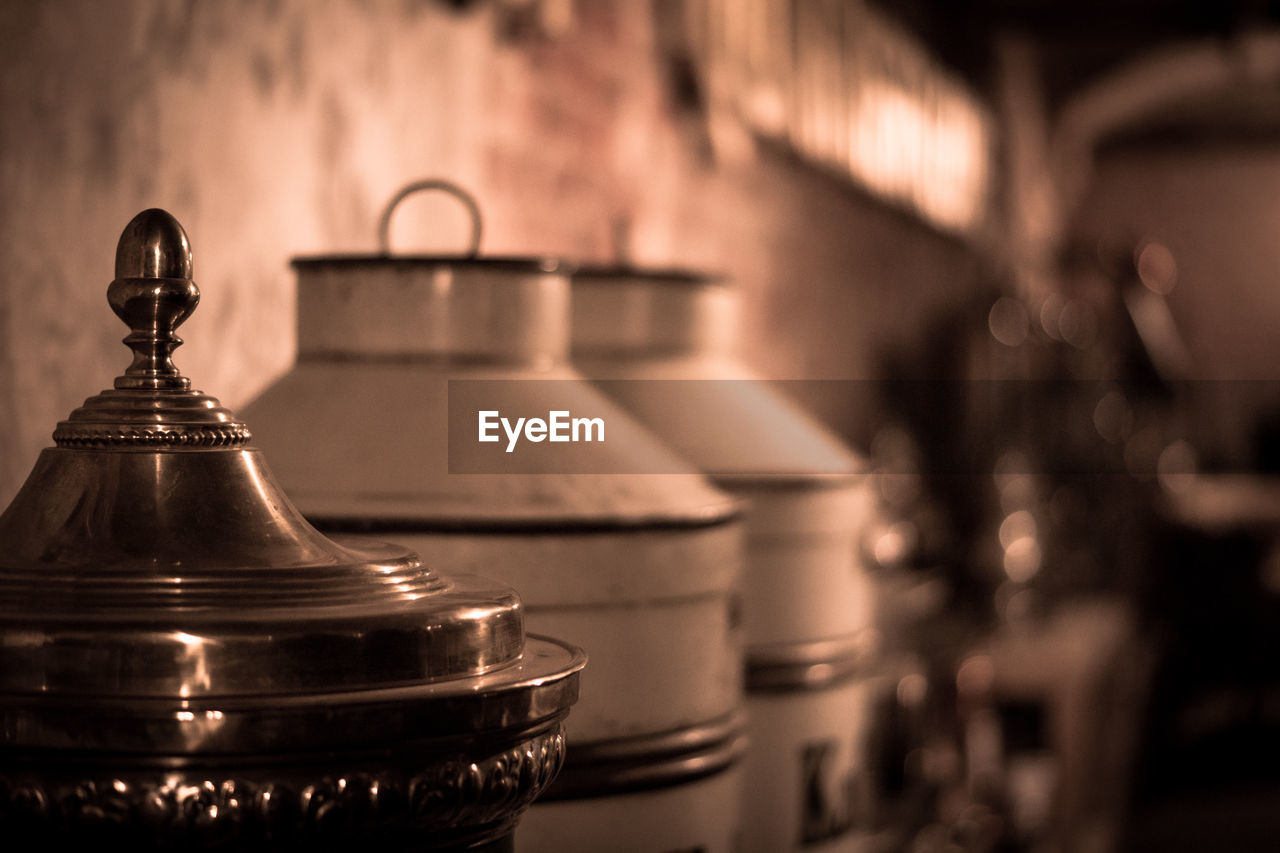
(160, 596)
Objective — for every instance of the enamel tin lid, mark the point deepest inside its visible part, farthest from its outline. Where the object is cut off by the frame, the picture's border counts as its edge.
(359, 430)
(660, 342)
(159, 594)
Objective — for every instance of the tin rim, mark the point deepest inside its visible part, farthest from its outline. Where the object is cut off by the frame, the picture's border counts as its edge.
(646, 762)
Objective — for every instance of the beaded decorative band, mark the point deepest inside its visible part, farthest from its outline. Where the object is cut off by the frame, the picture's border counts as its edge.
(93, 435)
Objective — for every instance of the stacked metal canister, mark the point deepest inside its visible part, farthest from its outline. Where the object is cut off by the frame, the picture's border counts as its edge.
(660, 343)
(188, 662)
(642, 571)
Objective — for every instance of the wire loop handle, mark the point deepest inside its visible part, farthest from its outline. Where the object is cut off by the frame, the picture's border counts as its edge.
(468, 201)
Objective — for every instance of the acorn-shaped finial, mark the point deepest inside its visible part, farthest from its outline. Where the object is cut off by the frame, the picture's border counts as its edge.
(153, 293)
(152, 404)
(153, 245)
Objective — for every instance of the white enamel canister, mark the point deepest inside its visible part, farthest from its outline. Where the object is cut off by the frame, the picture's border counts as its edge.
(660, 343)
(641, 571)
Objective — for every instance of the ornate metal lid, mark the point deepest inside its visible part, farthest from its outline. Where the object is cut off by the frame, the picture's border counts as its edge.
(151, 567)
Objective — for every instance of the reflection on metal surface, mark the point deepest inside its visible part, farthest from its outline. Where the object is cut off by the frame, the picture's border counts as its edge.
(184, 661)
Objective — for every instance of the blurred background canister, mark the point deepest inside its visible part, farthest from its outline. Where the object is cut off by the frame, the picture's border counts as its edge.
(639, 570)
(661, 344)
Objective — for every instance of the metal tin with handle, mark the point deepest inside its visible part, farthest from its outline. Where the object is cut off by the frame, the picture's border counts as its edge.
(639, 570)
(660, 343)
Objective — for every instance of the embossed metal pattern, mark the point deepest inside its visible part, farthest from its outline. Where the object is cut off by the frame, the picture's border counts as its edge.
(451, 797)
(205, 436)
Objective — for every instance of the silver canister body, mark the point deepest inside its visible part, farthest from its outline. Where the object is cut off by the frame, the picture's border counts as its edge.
(660, 343)
(641, 571)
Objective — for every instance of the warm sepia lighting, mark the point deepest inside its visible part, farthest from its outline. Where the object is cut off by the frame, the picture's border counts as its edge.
(1017, 525)
(932, 154)
(1022, 559)
(849, 89)
(1008, 322)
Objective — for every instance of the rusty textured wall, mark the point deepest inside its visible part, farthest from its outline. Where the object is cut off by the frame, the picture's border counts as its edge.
(276, 128)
